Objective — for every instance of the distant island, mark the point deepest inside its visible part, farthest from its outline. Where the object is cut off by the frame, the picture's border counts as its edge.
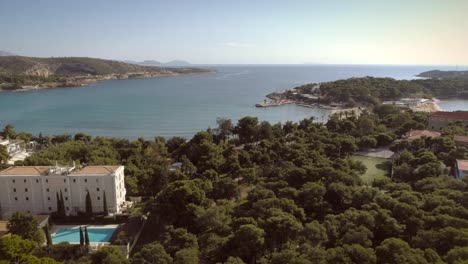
(26, 73)
(173, 63)
(444, 74)
(368, 92)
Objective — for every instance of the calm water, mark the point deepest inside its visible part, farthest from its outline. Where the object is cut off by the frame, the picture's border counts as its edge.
(178, 106)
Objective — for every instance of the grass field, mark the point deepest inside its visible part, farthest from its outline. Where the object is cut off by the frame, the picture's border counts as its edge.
(377, 168)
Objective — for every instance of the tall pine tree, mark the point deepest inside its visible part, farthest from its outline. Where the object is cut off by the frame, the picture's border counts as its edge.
(62, 212)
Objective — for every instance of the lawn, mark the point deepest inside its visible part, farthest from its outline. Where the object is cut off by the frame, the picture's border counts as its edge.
(377, 168)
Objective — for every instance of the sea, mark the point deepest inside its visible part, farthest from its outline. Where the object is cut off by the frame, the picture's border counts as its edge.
(183, 105)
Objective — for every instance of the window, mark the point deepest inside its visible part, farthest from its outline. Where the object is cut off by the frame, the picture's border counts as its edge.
(85, 180)
(47, 180)
(97, 189)
(24, 180)
(13, 181)
(27, 198)
(68, 209)
(14, 189)
(50, 208)
(66, 198)
(47, 190)
(65, 189)
(97, 180)
(26, 189)
(48, 198)
(16, 198)
(37, 181)
(74, 180)
(99, 198)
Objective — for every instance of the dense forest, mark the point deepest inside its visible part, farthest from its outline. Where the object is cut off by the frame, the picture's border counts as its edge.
(370, 91)
(255, 192)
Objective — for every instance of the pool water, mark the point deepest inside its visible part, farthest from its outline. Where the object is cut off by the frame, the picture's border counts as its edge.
(72, 235)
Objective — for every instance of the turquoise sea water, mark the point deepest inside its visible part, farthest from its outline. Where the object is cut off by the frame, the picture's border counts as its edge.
(177, 106)
(72, 235)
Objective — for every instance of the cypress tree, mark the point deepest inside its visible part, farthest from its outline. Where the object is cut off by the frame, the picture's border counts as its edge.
(81, 237)
(89, 205)
(47, 235)
(104, 201)
(58, 203)
(62, 205)
(86, 236)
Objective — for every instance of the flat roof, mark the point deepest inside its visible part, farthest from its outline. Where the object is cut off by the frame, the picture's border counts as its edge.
(42, 170)
(25, 170)
(463, 139)
(454, 115)
(95, 170)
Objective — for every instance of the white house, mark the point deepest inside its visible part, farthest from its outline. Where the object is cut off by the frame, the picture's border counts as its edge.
(13, 146)
(34, 189)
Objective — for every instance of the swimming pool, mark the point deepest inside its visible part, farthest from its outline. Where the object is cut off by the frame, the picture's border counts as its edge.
(72, 235)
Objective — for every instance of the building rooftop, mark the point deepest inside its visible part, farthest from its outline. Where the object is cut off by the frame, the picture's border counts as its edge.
(43, 170)
(415, 134)
(454, 115)
(462, 165)
(95, 170)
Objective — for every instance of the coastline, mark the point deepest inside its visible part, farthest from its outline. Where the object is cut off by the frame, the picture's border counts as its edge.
(81, 81)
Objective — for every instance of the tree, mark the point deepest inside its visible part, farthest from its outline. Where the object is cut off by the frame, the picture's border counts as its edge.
(13, 248)
(152, 253)
(47, 235)
(395, 250)
(26, 227)
(81, 237)
(4, 156)
(246, 129)
(109, 255)
(86, 236)
(247, 242)
(458, 255)
(89, 205)
(9, 132)
(186, 256)
(104, 204)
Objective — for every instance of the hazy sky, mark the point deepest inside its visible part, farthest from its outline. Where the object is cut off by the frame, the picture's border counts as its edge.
(241, 31)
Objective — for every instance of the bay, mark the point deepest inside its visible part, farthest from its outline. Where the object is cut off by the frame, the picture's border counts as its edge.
(179, 106)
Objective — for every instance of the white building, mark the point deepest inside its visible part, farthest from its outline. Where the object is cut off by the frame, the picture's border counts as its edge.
(34, 189)
(13, 146)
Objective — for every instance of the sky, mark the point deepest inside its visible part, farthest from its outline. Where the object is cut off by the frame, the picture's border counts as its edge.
(433, 32)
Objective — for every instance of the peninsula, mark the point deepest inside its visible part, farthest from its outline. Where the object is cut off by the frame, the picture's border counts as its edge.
(444, 74)
(26, 73)
(368, 92)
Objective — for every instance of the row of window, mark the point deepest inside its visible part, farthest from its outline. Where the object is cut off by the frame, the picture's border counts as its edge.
(47, 180)
(48, 198)
(48, 190)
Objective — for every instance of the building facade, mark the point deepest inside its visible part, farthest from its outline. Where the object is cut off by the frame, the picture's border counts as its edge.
(439, 120)
(461, 170)
(34, 189)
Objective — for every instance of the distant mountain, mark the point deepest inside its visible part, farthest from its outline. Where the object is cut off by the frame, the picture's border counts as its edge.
(174, 63)
(5, 53)
(444, 74)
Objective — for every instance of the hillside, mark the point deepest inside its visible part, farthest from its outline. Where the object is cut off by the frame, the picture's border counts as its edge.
(444, 74)
(18, 72)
